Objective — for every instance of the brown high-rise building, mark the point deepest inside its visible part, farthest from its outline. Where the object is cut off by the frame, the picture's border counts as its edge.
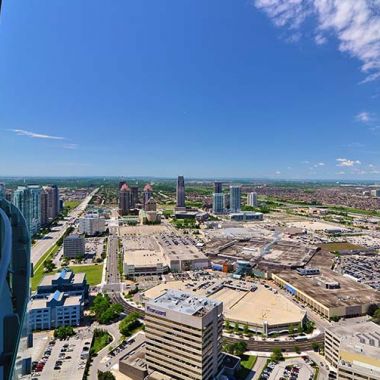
(44, 207)
(135, 196)
(125, 199)
(148, 192)
(50, 205)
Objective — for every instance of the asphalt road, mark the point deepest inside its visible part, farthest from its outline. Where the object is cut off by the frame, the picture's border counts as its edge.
(112, 272)
(41, 246)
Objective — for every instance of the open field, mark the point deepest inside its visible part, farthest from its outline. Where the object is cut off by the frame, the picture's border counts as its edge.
(340, 246)
(93, 272)
(72, 204)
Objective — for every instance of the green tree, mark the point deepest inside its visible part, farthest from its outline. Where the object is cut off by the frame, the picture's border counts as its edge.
(236, 328)
(49, 266)
(228, 325)
(309, 327)
(297, 350)
(315, 346)
(106, 375)
(291, 329)
(300, 329)
(129, 324)
(276, 355)
(376, 315)
(240, 348)
(105, 312)
(372, 309)
(246, 329)
(64, 332)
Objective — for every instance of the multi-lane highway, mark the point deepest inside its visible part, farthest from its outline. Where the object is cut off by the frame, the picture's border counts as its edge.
(41, 246)
(112, 272)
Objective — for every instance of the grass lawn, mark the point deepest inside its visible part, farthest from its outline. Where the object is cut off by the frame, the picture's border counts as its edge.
(247, 363)
(39, 272)
(71, 204)
(93, 272)
(332, 247)
(101, 341)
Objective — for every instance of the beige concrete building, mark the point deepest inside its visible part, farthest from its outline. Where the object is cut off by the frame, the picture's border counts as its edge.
(183, 336)
(262, 310)
(353, 349)
(330, 294)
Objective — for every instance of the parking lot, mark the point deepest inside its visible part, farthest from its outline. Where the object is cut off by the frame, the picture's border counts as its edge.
(293, 369)
(59, 359)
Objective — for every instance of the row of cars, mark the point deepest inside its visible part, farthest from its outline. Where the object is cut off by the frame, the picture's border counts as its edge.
(62, 356)
(267, 371)
(38, 366)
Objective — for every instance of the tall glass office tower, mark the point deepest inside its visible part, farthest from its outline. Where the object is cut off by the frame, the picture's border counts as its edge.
(2, 190)
(180, 193)
(15, 271)
(235, 201)
(28, 200)
(218, 203)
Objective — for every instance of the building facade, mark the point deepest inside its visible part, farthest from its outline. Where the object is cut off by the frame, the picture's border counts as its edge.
(2, 190)
(74, 246)
(183, 336)
(246, 216)
(218, 203)
(353, 350)
(66, 281)
(235, 199)
(252, 199)
(218, 187)
(44, 208)
(28, 200)
(57, 309)
(125, 199)
(15, 270)
(148, 193)
(180, 192)
(92, 225)
(134, 196)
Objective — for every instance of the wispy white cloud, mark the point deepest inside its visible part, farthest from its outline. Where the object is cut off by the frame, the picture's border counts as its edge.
(344, 162)
(355, 23)
(320, 39)
(355, 145)
(22, 132)
(70, 146)
(364, 117)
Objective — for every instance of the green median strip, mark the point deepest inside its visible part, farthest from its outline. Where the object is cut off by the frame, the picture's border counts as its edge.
(39, 272)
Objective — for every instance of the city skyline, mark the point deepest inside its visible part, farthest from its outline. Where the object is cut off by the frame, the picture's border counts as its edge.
(275, 102)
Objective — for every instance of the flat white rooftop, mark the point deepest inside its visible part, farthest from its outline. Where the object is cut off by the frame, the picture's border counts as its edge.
(182, 302)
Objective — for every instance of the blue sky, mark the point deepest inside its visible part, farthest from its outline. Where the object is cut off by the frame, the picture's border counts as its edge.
(216, 88)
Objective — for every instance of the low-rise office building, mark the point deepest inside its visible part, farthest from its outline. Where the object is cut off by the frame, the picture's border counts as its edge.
(74, 246)
(329, 294)
(144, 263)
(92, 225)
(66, 281)
(353, 350)
(183, 336)
(55, 310)
(246, 216)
